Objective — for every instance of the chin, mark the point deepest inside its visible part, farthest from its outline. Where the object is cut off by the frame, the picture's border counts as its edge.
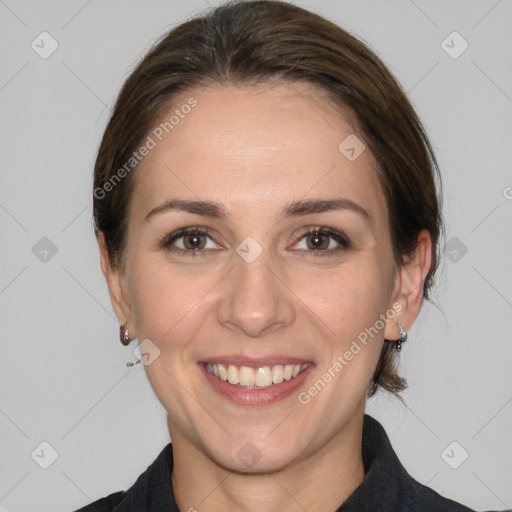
(258, 453)
(254, 460)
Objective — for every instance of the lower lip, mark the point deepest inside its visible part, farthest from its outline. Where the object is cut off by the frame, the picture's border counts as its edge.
(262, 396)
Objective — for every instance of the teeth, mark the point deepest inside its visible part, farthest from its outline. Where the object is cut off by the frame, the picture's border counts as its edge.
(223, 373)
(261, 377)
(277, 374)
(246, 376)
(233, 375)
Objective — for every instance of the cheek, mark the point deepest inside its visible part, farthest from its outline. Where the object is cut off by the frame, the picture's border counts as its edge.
(350, 302)
(166, 301)
(350, 298)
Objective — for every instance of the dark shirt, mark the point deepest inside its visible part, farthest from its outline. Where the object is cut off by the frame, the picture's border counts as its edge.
(386, 487)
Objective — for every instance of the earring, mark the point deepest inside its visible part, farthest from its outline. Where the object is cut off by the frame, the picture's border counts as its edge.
(402, 339)
(124, 335)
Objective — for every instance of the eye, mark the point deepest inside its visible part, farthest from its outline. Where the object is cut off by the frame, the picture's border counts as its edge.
(319, 241)
(189, 241)
(196, 241)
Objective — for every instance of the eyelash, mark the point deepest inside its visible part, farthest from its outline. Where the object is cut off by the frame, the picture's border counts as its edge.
(167, 241)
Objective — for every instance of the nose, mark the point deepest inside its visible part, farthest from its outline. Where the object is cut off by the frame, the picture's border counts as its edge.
(255, 298)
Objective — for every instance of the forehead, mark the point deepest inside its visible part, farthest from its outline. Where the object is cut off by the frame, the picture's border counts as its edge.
(267, 144)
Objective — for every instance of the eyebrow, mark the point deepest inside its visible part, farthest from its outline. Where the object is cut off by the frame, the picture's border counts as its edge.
(295, 209)
(306, 207)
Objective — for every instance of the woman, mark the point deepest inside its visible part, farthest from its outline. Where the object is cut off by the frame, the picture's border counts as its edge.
(268, 217)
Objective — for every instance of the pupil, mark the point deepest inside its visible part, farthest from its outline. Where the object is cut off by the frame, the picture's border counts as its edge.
(316, 240)
(194, 241)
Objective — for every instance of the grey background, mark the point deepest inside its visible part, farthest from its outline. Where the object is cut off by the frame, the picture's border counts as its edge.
(63, 378)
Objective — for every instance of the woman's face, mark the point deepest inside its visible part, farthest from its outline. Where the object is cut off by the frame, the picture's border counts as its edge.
(258, 168)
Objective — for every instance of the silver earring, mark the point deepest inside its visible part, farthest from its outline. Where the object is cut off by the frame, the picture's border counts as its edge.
(402, 339)
(124, 336)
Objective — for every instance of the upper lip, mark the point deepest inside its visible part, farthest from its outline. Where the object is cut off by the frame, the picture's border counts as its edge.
(255, 362)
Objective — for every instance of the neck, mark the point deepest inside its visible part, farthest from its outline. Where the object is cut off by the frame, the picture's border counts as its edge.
(322, 481)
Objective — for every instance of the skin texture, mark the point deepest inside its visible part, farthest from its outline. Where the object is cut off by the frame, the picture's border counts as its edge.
(255, 150)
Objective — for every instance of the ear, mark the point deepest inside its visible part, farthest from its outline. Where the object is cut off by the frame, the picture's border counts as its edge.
(408, 291)
(116, 286)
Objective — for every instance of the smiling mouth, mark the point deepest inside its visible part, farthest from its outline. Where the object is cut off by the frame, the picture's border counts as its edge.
(255, 378)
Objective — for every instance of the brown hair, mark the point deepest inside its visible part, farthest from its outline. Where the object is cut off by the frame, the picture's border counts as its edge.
(257, 41)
